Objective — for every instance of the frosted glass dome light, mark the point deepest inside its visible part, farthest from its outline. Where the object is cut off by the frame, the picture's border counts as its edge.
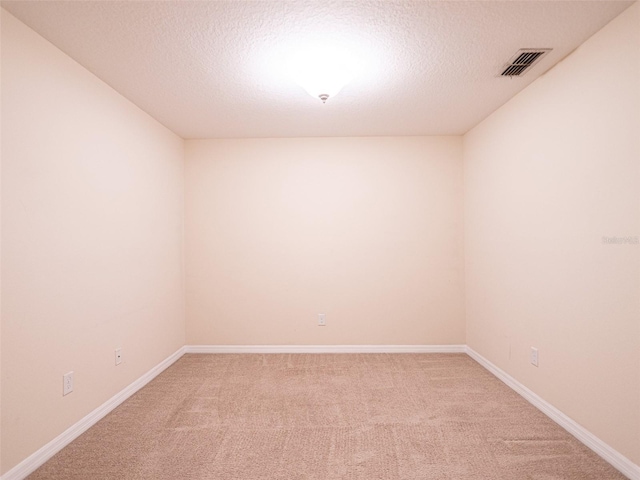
(321, 73)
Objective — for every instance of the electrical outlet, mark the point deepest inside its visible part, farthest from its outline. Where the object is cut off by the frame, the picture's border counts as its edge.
(322, 320)
(67, 383)
(118, 356)
(534, 356)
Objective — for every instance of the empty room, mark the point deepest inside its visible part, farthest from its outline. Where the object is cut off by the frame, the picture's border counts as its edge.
(308, 240)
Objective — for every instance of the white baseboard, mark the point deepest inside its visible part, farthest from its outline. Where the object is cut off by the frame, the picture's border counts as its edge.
(325, 349)
(612, 456)
(37, 459)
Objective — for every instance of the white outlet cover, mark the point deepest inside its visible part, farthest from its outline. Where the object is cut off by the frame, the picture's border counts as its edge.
(534, 356)
(322, 319)
(118, 356)
(67, 383)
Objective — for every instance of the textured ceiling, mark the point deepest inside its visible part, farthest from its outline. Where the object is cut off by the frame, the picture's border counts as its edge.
(209, 69)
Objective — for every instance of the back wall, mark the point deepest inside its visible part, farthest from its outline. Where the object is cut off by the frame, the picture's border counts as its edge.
(365, 230)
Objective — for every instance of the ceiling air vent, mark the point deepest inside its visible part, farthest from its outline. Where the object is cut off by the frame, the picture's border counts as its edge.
(523, 60)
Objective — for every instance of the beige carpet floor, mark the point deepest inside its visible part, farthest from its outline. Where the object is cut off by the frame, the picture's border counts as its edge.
(344, 416)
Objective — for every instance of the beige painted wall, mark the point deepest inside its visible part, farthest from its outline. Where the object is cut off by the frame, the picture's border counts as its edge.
(92, 212)
(365, 230)
(546, 177)
(1, 11)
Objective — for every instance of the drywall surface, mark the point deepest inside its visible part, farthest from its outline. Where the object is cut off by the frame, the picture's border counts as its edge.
(367, 231)
(0, 246)
(92, 225)
(552, 222)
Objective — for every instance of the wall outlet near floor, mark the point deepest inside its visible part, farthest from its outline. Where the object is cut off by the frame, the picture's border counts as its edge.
(322, 319)
(118, 356)
(534, 356)
(67, 383)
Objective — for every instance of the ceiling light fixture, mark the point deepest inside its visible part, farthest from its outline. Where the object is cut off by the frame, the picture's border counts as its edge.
(321, 72)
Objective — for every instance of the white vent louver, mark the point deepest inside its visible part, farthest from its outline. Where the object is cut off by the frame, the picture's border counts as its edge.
(523, 60)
